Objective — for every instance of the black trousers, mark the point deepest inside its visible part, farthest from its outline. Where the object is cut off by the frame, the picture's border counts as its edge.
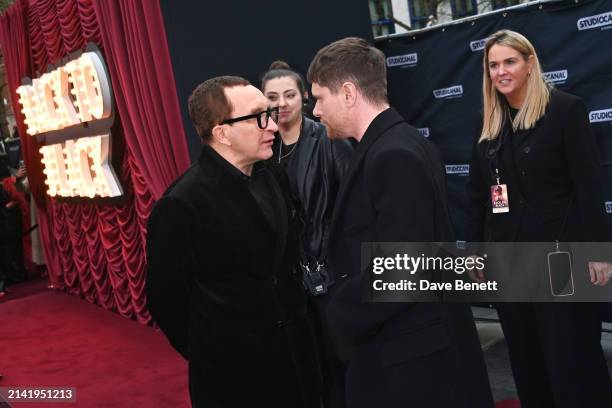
(278, 368)
(556, 355)
(333, 369)
(12, 261)
(11, 247)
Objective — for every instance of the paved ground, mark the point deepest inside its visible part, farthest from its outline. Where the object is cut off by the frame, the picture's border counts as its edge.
(496, 352)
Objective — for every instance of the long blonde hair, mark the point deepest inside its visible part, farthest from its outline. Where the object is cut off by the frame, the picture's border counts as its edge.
(494, 104)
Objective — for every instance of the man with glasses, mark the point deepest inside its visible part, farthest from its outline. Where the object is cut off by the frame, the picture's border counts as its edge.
(221, 247)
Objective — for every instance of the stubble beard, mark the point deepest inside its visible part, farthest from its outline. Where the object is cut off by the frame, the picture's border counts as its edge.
(332, 133)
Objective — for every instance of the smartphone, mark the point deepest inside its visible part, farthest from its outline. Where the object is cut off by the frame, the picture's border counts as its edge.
(560, 273)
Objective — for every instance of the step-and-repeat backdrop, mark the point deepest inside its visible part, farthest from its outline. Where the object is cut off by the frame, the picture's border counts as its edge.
(435, 79)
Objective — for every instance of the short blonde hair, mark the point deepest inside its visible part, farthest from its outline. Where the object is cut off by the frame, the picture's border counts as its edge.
(538, 90)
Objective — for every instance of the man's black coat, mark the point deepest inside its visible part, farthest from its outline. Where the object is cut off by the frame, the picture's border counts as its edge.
(401, 354)
(220, 285)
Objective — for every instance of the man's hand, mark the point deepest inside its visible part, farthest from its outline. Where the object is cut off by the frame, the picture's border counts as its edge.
(475, 274)
(600, 272)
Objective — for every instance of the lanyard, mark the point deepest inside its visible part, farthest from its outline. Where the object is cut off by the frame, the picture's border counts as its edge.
(493, 154)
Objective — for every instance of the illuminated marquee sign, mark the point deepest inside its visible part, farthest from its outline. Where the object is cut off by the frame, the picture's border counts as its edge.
(77, 94)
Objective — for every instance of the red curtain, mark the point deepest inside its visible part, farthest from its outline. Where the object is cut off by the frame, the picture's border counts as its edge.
(138, 48)
(97, 251)
(17, 61)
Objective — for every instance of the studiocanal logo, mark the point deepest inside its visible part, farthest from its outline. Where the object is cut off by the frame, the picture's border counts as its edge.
(604, 115)
(459, 169)
(609, 207)
(455, 91)
(424, 132)
(405, 60)
(603, 20)
(556, 77)
(478, 45)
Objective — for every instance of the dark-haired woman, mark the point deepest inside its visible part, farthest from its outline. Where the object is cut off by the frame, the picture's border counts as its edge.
(314, 165)
(536, 145)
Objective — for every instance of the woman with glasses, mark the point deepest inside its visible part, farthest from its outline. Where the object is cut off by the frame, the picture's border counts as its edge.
(314, 165)
(537, 150)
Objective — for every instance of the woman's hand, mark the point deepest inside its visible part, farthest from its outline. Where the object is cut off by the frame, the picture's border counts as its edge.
(475, 274)
(600, 272)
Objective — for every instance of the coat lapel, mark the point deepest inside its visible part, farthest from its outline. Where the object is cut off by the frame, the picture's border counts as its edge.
(379, 125)
(307, 145)
(281, 236)
(226, 183)
(509, 176)
(524, 136)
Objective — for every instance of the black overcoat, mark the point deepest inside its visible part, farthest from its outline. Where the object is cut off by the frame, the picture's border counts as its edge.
(552, 172)
(400, 354)
(553, 176)
(221, 286)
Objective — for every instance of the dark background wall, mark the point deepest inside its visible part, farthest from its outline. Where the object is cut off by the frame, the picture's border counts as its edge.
(208, 39)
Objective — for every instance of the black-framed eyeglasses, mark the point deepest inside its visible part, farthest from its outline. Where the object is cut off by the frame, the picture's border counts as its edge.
(262, 117)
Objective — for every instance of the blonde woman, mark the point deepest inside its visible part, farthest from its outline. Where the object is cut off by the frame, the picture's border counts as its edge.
(537, 150)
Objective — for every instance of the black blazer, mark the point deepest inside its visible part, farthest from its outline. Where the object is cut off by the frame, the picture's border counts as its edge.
(552, 172)
(220, 285)
(401, 354)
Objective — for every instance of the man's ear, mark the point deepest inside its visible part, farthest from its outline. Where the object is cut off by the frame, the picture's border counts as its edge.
(348, 90)
(220, 135)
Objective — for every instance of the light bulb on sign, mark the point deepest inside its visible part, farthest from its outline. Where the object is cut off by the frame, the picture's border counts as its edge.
(47, 103)
(80, 168)
(62, 99)
(47, 98)
(97, 85)
(52, 181)
(76, 93)
(26, 100)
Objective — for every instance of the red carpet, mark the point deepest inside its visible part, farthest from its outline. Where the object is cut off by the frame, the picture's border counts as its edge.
(25, 289)
(53, 339)
(49, 338)
(508, 404)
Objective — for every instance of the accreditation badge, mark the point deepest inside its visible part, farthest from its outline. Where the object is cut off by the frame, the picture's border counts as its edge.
(499, 198)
